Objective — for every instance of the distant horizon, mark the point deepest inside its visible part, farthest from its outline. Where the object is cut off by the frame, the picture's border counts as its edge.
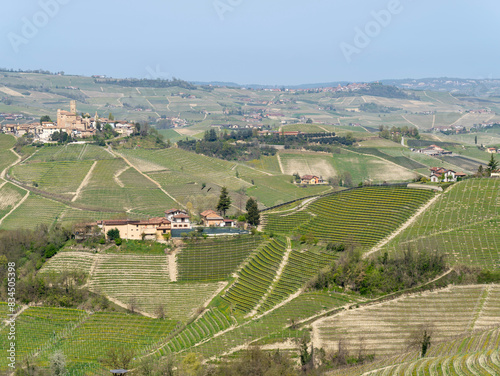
(250, 84)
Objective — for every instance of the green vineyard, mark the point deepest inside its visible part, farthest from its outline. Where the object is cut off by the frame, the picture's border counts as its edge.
(361, 216)
(214, 260)
(256, 277)
(463, 223)
(300, 268)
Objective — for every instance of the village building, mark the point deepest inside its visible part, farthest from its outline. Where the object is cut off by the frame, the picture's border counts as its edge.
(311, 180)
(440, 174)
(492, 150)
(210, 218)
(432, 150)
(178, 218)
(495, 173)
(70, 120)
(149, 229)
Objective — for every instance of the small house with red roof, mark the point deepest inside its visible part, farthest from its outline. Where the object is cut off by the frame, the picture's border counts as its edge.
(311, 179)
(440, 174)
(211, 218)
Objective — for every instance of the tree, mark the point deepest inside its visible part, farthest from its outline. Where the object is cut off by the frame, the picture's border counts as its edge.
(210, 135)
(480, 171)
(420, 339)
(475, 139)
(347, 179)
(492, 164)
(306, 356)
(45, 118)
(191, 364)
(160, 311)
(113, 234)
(224, 201)
(309, 121)
(426, 342)
(58, 364)
(118, 358)
(111, 117)
(253, 214)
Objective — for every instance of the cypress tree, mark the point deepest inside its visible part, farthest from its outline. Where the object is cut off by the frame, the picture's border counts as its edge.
(224, 201)
(253, 215)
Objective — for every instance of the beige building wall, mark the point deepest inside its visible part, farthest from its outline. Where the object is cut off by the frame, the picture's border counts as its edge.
(135, 232)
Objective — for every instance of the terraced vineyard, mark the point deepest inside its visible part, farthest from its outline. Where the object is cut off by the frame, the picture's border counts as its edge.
(385, 329)
(143, 280)
(32, 212)
(101, 331)
(477, 354)
(256, 277)
(84, 338)
(361, 216)
(272, 328)
(398, 159)
(62, 177)
(300, 268)
(463, 223)
(214, 260)
(70, 152)
(181, 173)
(79, 261)
(132, 192)
(38, 329)
(213, 321)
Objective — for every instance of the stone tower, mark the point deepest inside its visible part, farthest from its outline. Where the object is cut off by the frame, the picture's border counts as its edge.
(72, 107)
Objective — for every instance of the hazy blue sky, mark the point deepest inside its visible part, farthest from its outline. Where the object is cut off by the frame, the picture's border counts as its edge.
(254, 41)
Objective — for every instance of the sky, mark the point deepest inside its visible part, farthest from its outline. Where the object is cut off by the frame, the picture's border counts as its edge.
(271, 42)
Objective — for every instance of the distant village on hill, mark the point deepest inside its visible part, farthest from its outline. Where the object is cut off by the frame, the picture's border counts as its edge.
(69, 122)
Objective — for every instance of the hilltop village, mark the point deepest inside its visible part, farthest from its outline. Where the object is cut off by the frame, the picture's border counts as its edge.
(68, 122)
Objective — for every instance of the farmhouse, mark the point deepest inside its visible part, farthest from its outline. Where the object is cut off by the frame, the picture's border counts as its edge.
(432, 150)
(210, 218)
(442, 174)
(179, 218)
(495, 173)
(492, 150)
(311, 180)
(150, 229)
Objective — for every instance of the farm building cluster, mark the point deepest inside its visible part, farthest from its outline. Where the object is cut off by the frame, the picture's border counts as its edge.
(433, 151)
(158, 228)
(69, 122)
(440, 174)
